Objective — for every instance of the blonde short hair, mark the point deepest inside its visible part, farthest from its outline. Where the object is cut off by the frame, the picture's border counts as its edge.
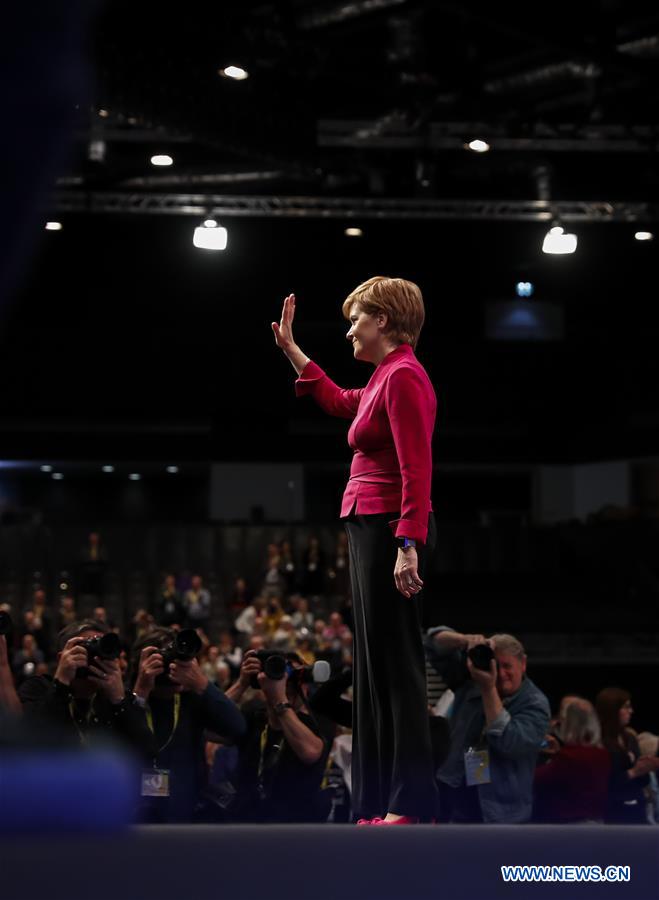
(401, 300)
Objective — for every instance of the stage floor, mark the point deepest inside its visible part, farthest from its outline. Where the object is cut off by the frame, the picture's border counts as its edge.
(323, 862)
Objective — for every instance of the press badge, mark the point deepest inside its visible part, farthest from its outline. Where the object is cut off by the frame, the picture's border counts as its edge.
(477, 767)
(155, 783)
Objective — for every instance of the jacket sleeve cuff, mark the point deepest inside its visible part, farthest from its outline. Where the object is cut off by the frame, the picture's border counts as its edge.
(409, 528)
(498, 726)
(308, 379)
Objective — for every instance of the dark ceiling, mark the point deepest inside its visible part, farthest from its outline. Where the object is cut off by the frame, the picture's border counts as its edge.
(124, 338)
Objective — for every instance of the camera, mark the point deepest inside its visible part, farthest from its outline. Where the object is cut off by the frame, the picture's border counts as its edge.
(5, 622)
(185, 646)
(276, 665)
(481, 656)
(104, 646)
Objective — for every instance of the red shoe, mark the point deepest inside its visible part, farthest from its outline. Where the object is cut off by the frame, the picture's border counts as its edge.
(376, 821)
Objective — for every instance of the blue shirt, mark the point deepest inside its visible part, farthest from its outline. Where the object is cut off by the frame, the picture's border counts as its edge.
(513, 740)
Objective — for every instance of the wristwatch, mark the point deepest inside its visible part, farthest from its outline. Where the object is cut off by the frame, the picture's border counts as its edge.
(405, 542)
(281, 707)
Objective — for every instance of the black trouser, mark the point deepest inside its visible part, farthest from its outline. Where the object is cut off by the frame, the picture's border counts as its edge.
(392, 768)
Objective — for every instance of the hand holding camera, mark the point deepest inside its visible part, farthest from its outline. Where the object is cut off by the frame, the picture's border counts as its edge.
(481, 662)
(249, 669)
(150, 667)
(106, 675)
(188, 675)
(74, 657)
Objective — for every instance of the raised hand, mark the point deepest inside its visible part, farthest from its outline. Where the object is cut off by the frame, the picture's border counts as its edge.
(72, 658)
(284, 331)
(151, 665)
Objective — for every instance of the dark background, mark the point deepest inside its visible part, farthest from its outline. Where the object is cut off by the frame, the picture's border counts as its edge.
(122, 343)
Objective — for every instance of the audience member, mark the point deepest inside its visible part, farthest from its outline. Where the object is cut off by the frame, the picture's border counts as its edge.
(573, 786)
(67, 614)
(272, 616)
(313, 569)
(301, 617)
(141, 625)
(27, 659)
(335, 631)
(38, 629)
(229, 652)
(288, 568)
(197, 604)
(274, 583)
(284, 638)
(629, 770)
(168, 608)
(498, 722)
(245, 621)
(93, 566)
(240, 597)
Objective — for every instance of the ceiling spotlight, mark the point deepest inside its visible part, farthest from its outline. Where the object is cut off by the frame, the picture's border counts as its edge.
(478, 146)
(236, 73)
(46, 468)
(557, 242)
(161, 159)
(210, 236)
(135, 476)
(172, 470)
(53, 226)
(643, 235)
(108, 468)
(57, 476)
(524, 289)
(353, 232)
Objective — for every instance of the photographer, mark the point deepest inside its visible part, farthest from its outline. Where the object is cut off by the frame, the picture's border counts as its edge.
(86, 697)
(498, 722)
(284, 752)
(177, 703)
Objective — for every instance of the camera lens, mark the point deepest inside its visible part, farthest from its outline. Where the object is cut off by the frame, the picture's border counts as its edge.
(481, 656)
(187, 644)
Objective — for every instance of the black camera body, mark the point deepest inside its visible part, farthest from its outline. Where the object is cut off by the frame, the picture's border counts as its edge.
(185, 646)
(276, 665)
(104, 646)
(481, 656)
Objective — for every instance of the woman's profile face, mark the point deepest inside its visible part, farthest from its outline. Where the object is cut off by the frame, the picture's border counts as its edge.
(625, 713)
(364, 333)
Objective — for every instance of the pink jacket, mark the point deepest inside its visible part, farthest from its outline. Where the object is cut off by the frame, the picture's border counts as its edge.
(391, 433)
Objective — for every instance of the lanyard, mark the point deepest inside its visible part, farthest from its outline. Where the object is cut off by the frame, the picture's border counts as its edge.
(149, 722)
(88, 716)
(264, 742)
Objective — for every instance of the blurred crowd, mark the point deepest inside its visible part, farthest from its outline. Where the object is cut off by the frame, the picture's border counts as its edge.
(223, 735)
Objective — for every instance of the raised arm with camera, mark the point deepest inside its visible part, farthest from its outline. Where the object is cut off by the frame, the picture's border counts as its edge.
(87, 696)
(283, 703)
(169, 667)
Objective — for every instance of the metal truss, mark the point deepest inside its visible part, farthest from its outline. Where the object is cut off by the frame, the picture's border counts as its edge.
(394, 132)
(347, 208)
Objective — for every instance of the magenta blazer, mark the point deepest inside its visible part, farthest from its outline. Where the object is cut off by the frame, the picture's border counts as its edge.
(391, 433)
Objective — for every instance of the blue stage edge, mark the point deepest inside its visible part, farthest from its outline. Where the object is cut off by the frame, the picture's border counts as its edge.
(332, 862)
